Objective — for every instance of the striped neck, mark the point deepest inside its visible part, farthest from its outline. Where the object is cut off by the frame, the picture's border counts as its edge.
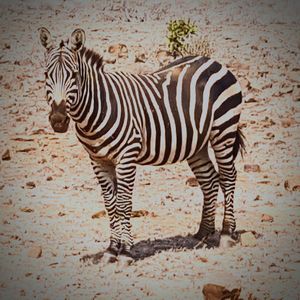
(90, 108)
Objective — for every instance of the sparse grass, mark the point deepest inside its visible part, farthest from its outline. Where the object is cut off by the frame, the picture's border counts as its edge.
(200, 46)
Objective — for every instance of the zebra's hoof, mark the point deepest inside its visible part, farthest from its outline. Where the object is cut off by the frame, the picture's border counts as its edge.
(108, 257)
(235, 235)
(212, 240)
(226, 241)
(124, 261)
(202, 234)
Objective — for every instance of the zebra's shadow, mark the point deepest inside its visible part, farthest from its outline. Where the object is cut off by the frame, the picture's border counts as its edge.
(148, 248)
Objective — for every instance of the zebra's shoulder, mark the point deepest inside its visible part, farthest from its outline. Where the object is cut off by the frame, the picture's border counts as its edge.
(183, 61)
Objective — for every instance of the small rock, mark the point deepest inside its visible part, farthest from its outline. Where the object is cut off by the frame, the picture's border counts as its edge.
(251, 168)
(203, 259)
(218, 292)
(292, 184)
(99, 214)
(7, 86)
(35, 252)
(257, 198)
(39, 131)
(139, 213)
(140, 57)
(26, 150)
(192, 181)
(287, 122)
(270, 135)
(6, 155)
(244, 82)
(27, 209)
(49, 178)
(267, 122)
(30, 185)
(248, 239)
(120, 50)
(266, 218)
(249, 98)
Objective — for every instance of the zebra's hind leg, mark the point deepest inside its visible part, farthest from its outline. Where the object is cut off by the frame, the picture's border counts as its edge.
(227, 181)
(208, 179)
(106, 175)
(224, 153)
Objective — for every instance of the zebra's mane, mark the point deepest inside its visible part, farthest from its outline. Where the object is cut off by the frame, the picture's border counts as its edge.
(95, 57)
(175, 63)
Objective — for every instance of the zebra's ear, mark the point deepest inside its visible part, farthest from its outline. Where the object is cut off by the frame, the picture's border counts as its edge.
(77, 39)
(45, 38)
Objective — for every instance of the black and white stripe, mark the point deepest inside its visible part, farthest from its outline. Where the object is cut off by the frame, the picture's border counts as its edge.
(124, 120)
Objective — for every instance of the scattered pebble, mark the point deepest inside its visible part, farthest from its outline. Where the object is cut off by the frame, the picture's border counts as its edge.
(99, 214)
(192, 181)
(292, 184)
(248, 239)
(266, 218)
(251, 168)
(120, 50)
(6, 155)
(35, 252)
(30, 185)
(218, 292)
(27, 209)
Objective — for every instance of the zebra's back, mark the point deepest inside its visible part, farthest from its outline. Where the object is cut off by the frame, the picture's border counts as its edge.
(177, 106)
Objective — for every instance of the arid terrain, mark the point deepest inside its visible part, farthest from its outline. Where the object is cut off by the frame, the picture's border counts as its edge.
(49, 192)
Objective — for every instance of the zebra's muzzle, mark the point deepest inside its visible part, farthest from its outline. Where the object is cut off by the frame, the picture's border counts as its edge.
(58, 118)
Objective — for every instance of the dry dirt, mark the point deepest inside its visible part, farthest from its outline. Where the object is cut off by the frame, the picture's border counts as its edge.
(49, 192)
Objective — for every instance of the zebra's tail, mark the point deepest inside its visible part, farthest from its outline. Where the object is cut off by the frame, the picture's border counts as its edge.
(239, 144)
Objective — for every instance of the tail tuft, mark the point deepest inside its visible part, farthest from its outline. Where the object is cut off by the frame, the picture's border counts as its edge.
(239, 144)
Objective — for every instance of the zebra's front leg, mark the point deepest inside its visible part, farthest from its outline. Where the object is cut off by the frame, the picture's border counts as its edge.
(106, 175)
(125, 181)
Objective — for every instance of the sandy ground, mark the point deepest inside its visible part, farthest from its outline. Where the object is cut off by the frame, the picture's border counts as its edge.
(49, 192)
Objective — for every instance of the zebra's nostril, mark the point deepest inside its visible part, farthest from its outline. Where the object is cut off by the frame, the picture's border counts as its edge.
(57, 118)
(59, 122)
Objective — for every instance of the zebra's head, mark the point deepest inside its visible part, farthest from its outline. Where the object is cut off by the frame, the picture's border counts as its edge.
(62, 76)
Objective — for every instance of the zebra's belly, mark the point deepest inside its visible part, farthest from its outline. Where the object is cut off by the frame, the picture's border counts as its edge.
(172, 149)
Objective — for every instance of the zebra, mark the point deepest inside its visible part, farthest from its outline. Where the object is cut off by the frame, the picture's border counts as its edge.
(124, 120)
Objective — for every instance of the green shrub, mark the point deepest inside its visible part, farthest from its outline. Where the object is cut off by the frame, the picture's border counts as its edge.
(178, 32)
(181, 42)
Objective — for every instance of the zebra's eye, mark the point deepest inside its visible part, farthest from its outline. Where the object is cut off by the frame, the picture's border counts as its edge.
(48, 97)
(46, 75)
